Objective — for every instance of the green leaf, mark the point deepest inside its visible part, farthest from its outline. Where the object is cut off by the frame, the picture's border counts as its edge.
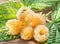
(37, 4)
(55, 28)
(58, 15)
(52, 35)
(55, 16)
(49, 25)
(57, 37)
(3, 10)
(12, 4)
(4, 36)
(8, 10)
(58, 5)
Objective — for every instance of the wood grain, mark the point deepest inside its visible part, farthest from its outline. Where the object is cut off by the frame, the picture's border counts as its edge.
(20, 41)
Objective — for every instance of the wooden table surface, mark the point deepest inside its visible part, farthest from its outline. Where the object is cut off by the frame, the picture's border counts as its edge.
(20, 41)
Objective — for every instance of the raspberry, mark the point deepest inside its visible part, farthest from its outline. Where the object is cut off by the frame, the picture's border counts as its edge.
(27, 33)
(41, 33)
(14, 26)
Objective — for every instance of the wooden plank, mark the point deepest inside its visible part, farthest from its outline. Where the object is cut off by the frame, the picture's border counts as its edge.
(19, 41)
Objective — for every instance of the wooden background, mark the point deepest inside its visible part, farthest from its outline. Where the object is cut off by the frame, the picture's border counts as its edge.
(19, 41)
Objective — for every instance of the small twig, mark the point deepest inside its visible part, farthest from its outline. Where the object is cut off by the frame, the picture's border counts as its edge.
(48, 13)
(48, 20)
(40, 13)
(43, 15)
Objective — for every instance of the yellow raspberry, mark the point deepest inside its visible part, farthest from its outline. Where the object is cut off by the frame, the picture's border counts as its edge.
(14, 26)
(27, 33)
(29, 14)
(20, 15)
(25, 15)
(41, 33)
(35, 22)
(42, 18)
